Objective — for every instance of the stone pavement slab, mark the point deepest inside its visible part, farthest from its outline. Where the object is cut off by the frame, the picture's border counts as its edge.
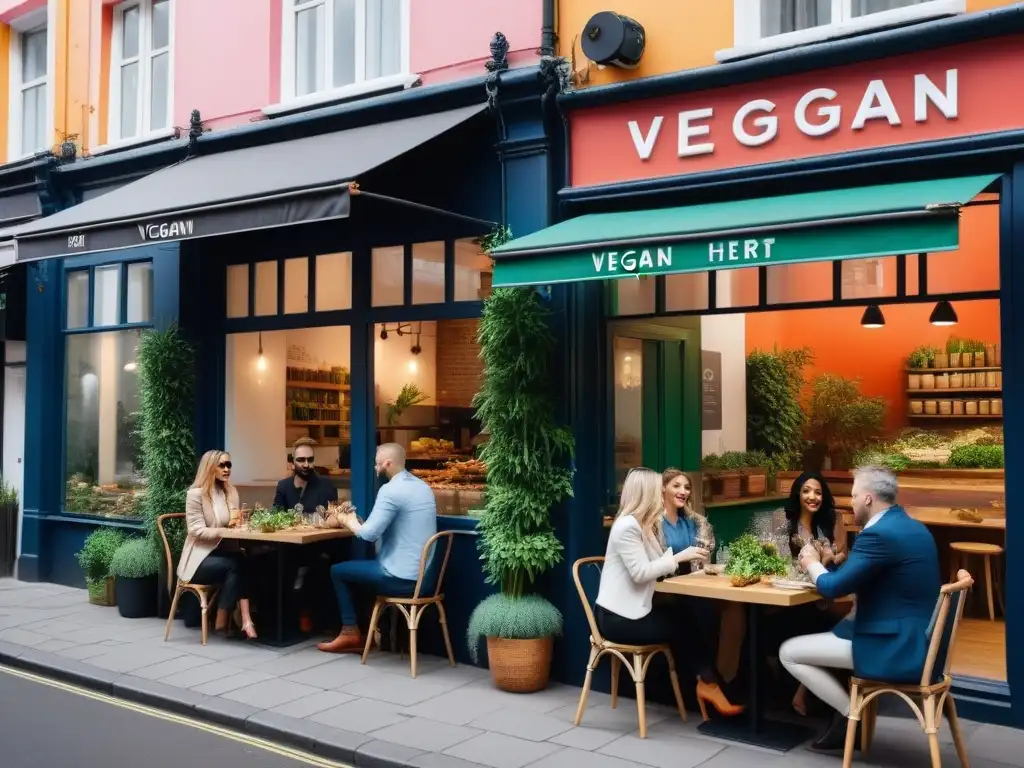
(376, 715)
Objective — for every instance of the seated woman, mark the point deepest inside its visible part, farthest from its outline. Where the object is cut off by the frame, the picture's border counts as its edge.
(212, 504)
(635, 559)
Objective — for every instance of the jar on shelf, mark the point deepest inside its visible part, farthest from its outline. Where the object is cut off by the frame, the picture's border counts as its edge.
(958, 407)
(971, 408)
(997, 406)
(984, 407)
(945, 407)
(931, 407)
(956, 381)
(942, 381)
(917, 406)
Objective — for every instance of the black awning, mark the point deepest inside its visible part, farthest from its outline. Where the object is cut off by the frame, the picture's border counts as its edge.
(272, 185)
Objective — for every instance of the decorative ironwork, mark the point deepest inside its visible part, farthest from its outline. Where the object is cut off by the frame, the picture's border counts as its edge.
(195, 131)
(67, 150)
(556, 74)
(497, 64)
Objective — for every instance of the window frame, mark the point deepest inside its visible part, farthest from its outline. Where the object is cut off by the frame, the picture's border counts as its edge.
(747, 39)
(145, 56)
(289, 100)
(35, 21)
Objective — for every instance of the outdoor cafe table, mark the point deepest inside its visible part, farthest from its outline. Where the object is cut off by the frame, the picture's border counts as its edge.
(292, 536)
(752, 728)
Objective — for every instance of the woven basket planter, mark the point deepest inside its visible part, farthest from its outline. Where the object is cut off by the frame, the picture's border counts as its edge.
(520, 666)
(101, 592)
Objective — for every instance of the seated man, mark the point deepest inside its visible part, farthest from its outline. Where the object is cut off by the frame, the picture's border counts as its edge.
(893, 569)
(304, 489)
(403, 518)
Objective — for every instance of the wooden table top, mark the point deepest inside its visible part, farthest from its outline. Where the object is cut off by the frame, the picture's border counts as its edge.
(290, 536)
(994, 519)
(720, 588)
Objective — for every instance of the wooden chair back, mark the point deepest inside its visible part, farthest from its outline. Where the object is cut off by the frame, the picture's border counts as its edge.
(597, 562)
(944, 625)
(425, 561)
(171, 575)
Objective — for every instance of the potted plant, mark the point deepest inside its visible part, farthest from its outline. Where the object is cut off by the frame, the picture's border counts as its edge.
(917, 361)
(775, 416)
(725, 474)
(9, 535)
(528, 458)
(94, 557)
(756, 469)
(408, 396)
(842, 420)
(955, 348)
(134, 568)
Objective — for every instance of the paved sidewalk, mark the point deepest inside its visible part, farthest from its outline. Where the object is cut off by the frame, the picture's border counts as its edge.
(376, 715)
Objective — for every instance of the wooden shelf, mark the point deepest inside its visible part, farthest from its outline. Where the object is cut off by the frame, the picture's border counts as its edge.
(951, 391)
(318, 423)
(323, 385)
(973, 417)
(936, 371)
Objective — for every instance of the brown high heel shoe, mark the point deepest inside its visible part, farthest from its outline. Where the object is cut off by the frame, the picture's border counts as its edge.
(711, 693)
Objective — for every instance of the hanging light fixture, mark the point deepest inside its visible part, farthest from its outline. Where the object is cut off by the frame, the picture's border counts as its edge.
(261, 360)
(872, 317)
(943, 314)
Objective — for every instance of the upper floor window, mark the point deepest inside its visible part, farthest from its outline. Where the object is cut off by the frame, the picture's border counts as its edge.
(763, 25)
(140, 69)
(30, 103)
(330, 44)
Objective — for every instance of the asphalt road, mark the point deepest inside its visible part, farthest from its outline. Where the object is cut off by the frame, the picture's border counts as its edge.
(57, 726)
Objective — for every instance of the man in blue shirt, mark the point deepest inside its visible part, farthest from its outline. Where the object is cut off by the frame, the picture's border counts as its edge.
(403, 519)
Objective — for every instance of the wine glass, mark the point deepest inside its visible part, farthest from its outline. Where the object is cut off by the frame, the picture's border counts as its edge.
(705, 540)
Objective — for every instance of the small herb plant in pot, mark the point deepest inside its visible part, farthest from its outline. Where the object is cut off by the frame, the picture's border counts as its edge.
(134, 567)
(94, 557)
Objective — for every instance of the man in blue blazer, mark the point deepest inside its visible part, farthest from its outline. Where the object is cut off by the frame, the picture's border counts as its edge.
(893, 569)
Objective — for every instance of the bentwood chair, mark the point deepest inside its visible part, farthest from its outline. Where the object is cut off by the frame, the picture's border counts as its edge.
(934, 697)
(204, 592)
(412, 608)
(637, 665)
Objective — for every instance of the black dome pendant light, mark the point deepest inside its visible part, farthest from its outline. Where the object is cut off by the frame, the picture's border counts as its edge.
(872, 317)
(943, 314)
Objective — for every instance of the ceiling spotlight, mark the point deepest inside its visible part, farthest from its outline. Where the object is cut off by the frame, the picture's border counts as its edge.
(872, 317)
(943, 314)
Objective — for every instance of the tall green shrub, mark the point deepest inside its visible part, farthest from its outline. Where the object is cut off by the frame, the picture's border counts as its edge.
(167, 378)
(842, 420)
(775, 418)
(528, 466)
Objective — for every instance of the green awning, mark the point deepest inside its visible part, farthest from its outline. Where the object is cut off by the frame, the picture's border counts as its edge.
(855, 223)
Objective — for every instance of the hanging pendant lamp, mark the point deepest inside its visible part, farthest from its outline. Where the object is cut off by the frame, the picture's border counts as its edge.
(872, 317)
(943, 314)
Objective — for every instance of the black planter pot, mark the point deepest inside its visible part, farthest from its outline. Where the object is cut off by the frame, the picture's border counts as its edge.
(136, 598)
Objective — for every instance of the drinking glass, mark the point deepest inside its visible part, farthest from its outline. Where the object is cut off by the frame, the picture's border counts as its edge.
(705, 540)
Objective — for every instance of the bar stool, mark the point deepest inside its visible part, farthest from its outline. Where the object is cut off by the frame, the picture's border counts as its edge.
(960, 553)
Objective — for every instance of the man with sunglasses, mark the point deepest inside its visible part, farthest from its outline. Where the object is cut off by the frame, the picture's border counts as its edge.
(305, 489)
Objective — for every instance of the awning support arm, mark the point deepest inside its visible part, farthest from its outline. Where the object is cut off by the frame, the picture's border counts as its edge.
(356, 191)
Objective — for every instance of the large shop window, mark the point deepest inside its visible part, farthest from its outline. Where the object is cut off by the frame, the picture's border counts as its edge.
(30, 108)
(140, 69)
(104, 474)
(339, 44)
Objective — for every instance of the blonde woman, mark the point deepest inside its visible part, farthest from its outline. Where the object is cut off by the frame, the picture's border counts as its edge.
(212, 504)
(634, 561)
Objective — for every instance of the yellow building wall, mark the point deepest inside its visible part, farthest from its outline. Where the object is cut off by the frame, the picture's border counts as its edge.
(5, 80)
(681, 34)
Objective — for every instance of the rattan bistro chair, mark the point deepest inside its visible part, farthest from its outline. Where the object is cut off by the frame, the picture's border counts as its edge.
(935, 697)
(204, 592)
(412, 608)
(641, 656)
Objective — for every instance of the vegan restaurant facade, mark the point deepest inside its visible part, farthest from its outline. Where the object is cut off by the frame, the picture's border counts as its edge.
(859, 149)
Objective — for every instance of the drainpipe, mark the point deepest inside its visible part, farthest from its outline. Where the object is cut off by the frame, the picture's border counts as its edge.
(548, 37)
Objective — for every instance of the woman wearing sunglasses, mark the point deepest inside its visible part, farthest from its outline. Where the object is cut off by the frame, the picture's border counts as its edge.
(212, 504)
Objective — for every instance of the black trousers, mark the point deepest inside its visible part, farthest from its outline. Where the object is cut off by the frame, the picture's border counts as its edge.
(231, 571)
(666, 623)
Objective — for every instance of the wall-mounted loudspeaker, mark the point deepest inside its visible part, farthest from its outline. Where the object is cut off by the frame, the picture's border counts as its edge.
(614, 40)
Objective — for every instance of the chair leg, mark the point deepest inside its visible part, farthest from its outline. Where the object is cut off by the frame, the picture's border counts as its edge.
(868, 717)
(594, 656)
(414, 620)
(957, 733)
(174, 610)
(851, 726)
(641, 700)
(675, 685)
(204, 605)
(374, 618)
(931, 729)
(444, 632)
(989, 589)
(616, 668)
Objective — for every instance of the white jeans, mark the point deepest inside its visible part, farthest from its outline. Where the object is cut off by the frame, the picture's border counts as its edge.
(809, 658)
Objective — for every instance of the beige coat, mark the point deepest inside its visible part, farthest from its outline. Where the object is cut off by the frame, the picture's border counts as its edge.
(201, 521)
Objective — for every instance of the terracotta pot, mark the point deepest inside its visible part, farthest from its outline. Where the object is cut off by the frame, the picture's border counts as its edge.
(941, 360)
(520, 666)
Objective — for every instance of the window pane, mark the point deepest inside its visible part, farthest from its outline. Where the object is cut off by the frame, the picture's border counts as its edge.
(633, 295)
(333, 281)
(736, 287)
(684, 293)
(103, 448)
(129, 100)
(793, 283)
(309, 51)
(383, 38)
(161, 24)
(158, 114)
(870, 278)
(473, 272)
(77, 290)
(428, 273)
(33, 119)
(865, 7)
(266, 289)
(296, 285)
(140, 292)
(106, 296)
(388, 276)
(130, 33)
(629, 413)
(344, 43)
(781, 16)
(238, 290)
(33, 55)
(441, 359)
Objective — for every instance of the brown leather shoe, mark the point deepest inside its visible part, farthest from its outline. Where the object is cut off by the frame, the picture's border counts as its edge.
(349, 641)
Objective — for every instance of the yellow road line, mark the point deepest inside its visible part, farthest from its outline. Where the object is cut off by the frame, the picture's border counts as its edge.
(268, 746)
